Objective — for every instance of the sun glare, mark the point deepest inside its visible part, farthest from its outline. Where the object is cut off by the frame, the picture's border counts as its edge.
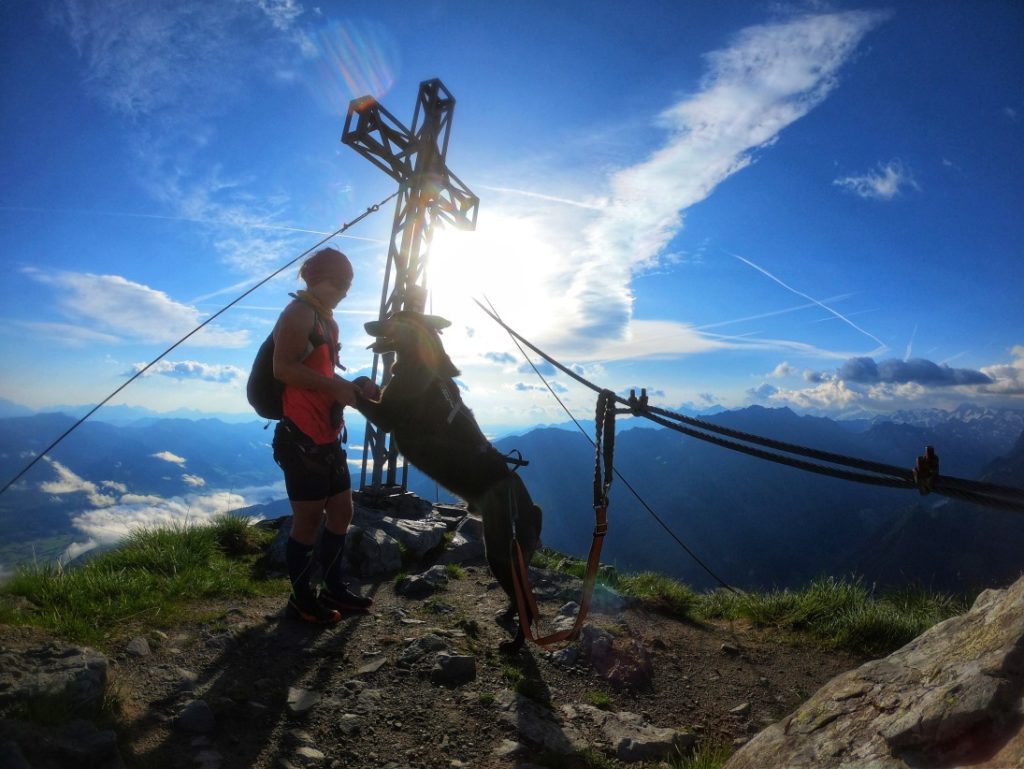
(506, 261)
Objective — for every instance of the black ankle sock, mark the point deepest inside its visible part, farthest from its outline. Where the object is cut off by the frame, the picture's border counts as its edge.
(297, 557)
(332, 550)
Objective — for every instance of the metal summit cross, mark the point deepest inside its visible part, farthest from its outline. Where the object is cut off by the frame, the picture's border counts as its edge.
(427, 191)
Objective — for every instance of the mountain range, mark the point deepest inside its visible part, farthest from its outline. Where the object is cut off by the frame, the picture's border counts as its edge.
(753, 524)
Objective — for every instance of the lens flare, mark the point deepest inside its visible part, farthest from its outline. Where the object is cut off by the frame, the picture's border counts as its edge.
(353, 58)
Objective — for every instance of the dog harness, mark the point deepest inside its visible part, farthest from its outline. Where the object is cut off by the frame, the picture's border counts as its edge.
(454, 403)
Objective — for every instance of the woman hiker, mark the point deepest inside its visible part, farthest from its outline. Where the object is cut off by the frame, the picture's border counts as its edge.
(307, 441)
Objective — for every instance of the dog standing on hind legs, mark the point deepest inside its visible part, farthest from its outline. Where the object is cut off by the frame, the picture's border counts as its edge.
(422, 408)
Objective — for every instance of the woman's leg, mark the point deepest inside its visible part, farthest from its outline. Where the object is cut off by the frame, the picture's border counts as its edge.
(332, 551)
(306, 517)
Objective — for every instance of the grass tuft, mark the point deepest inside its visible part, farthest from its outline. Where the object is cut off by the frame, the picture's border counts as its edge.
(708, 755)
(841, 613)
(154, 573)
(660, 592)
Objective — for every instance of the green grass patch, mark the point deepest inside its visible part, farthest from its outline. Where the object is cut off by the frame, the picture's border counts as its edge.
(841, 613)
(660, 592)
(454, 571)
(708, 755)
(153, 574)
(601, 700)
(546, 558)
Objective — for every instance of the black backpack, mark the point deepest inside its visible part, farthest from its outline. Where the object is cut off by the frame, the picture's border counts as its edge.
(263, 391)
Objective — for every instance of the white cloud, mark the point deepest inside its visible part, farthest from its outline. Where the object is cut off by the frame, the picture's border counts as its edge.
(111, 304)
(782, 370)
(76, 549)
(193, 480)
(191, 369)
(882, 183)
(68, 482)
(111, 524)
(145, 60)
(167, 456)
(171, 68)
(68, 334)
(1008, 378)
(770, 76)
(282, 13)
(860, 385)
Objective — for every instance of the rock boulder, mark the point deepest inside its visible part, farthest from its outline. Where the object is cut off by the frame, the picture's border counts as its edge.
(953, 697)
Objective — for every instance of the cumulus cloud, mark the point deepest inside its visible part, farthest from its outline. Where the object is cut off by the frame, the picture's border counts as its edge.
(782, 370)
(193, 480)
(884, 182)
(862, 383)
(865, 370)
(191, 369)
(68, 482)
(1007, 378)
(763, 391)
(167, 456)
(115, 305)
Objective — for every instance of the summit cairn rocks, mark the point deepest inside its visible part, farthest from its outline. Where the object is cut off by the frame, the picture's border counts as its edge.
(954, 696)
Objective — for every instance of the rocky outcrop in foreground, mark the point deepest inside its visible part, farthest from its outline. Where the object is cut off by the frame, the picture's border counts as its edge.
(953, 697)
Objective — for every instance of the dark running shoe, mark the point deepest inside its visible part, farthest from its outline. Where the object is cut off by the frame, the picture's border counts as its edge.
(313, 612)
(344, 599)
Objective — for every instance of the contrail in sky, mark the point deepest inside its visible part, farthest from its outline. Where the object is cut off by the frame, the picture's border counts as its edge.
(910, 344)
(542, 196)
(255, 226)
(882, 345)
(773, 313)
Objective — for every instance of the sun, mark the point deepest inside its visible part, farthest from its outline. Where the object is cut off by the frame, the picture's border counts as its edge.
(506, 261)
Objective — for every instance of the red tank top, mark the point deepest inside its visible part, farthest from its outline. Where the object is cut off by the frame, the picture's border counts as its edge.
(310, 410)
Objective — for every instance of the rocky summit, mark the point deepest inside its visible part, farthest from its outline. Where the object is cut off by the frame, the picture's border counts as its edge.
(953, 697)
(418, 682)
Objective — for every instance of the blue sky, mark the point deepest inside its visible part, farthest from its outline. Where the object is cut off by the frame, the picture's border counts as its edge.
(815, 205)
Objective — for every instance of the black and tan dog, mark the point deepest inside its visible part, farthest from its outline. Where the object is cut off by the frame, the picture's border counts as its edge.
(423, 410)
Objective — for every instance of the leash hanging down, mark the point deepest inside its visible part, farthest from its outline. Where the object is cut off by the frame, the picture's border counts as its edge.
(526, 602)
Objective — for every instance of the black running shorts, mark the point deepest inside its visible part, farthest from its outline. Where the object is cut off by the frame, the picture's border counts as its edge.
(311, 471)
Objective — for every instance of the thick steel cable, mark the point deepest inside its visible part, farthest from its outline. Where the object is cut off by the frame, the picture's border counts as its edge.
(161, 356)
(977, 492)
(789, 448)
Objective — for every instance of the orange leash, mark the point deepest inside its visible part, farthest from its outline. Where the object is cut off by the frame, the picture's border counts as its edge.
(526, 601)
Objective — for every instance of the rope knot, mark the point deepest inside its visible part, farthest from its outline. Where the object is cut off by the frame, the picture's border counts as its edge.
(926, 470)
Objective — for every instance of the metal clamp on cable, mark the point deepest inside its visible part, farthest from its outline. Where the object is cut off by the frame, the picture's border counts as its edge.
(635, 406)
(926, 470)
